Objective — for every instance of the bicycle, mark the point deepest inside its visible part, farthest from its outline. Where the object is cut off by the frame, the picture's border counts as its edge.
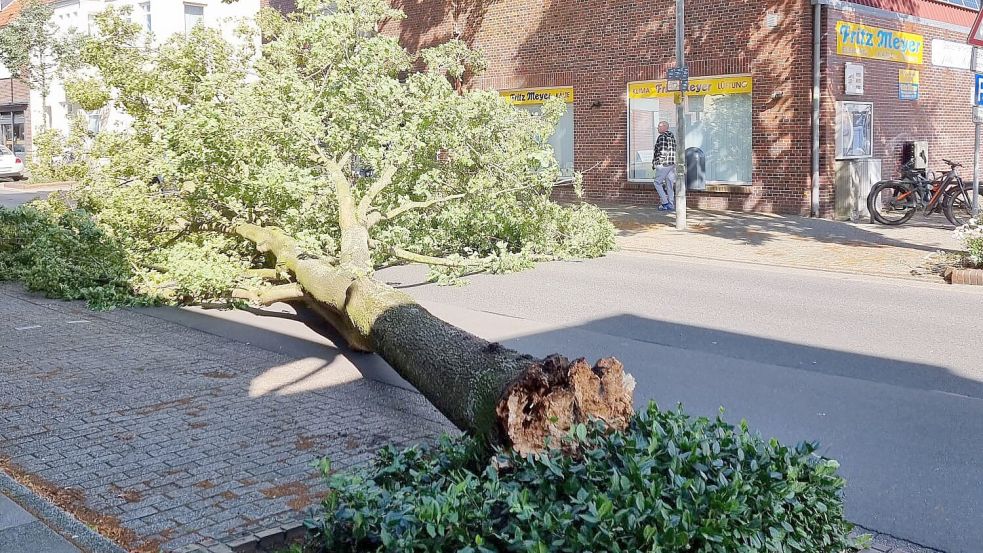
(895, 202)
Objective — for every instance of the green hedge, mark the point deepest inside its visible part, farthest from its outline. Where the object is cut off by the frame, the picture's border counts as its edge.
(670, 483)
(63, 256)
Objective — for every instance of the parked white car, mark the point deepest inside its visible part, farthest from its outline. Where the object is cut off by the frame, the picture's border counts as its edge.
(11, 166)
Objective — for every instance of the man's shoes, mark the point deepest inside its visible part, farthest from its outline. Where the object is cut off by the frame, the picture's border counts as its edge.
(666, 207)
(672, 207)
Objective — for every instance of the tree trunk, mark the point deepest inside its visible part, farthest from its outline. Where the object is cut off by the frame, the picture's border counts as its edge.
(490, 391)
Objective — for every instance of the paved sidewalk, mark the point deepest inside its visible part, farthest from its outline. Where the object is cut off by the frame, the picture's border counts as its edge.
(174, 435)
(908, 251)
(22, 532)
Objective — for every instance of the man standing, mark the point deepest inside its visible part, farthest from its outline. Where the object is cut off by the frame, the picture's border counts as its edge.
(664, 163)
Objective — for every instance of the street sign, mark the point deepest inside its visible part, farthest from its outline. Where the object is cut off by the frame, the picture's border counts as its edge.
(678, 74)
(976, 35)
(978, 114)
(978, 91)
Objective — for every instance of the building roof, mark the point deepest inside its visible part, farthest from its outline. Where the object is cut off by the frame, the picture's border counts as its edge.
(11, 11)
(938, 10)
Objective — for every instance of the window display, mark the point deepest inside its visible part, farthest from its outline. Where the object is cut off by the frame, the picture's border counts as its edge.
(854, 130)
(532, 99)
(718, 121)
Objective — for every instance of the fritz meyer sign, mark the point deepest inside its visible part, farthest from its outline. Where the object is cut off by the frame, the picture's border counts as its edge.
(697, 87)
(537, 96)
(862, 41)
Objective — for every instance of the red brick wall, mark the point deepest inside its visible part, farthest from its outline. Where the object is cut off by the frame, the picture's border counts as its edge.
(599, 46)
(941, 115)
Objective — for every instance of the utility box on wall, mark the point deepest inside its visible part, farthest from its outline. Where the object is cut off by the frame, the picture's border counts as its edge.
(917, 151)
(854, 179)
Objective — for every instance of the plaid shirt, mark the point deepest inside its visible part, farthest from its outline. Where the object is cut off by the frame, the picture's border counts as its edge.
(665, 150)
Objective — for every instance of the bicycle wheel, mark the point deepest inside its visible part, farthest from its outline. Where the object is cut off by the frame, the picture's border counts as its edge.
(892, 203)
(958, 205)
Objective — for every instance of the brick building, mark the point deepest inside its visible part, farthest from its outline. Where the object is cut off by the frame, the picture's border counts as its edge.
(15, 98)
(750, 106)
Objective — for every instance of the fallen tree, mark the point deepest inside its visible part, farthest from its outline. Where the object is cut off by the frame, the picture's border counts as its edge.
(291, 172)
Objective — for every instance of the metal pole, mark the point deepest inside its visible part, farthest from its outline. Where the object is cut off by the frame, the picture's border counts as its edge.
(976, 174)
(816, 67)
(681, 119)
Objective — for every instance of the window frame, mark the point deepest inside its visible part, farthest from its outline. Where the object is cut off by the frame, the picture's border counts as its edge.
(185, 12)
(571, 106)
(628, 142)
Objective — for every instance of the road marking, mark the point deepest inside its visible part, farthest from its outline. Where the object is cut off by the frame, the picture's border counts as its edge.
(27, 327)
(76, 322)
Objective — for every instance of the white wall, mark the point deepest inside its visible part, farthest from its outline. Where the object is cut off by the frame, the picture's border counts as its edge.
(167, 17)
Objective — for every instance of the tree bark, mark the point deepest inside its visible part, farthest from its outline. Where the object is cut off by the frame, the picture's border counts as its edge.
(500, 395)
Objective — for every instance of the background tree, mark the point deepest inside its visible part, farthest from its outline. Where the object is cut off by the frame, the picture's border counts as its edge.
(33, 49)
(293, 171)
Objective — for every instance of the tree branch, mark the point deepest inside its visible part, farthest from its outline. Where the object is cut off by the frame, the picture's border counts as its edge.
(439, 261)
(380, 184)
(410, 206)
(285, 292)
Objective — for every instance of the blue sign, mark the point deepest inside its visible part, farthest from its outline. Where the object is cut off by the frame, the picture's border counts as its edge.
(907, 91)
(978, 91)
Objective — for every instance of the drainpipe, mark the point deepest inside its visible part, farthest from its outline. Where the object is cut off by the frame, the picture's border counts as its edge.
(817, 55)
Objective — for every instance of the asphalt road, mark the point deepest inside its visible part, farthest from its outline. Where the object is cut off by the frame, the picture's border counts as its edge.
(886, 374)
(14, 198)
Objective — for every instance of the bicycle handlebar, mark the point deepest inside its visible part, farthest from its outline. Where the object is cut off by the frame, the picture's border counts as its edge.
(951, 164)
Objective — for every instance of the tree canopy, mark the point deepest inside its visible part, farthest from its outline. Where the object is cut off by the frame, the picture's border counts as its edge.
(309, 122)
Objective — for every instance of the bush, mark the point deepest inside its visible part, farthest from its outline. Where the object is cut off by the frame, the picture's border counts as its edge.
(58, 158)
(63, 256)
(971, 235)
(668, 483)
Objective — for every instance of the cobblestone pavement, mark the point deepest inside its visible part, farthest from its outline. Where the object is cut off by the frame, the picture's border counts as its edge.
(179, 434)
(909, 251)
(183, 436)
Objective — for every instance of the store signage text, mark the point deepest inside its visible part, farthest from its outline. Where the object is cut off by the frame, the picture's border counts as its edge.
(705, 86)
(862, 41)
(908, 81)
(536, 96)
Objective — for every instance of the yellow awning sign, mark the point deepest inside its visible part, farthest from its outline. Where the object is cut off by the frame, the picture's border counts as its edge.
(702, 86)
(537, 96)
(862, 41)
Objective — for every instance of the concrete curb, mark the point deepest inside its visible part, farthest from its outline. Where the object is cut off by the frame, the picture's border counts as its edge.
(58, 520)
(268, 540)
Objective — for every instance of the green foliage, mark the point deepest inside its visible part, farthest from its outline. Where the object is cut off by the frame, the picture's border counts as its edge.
(226, 132)
(669, 483)
(64, 255)
(59, 158)
(971, 235)
(34, 50)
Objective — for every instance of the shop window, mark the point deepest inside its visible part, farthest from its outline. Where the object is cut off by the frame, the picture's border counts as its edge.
(12, 132)
(854, 130)
(193, 15)
(532, 100)
(718, 121)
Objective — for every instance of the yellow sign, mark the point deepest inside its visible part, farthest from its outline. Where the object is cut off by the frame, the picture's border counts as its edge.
(908, 84)
(861, 41)
(704, 86)
(536, 96)
(908, 76)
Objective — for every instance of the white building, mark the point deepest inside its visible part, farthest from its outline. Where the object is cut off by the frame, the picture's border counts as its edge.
(160, 18)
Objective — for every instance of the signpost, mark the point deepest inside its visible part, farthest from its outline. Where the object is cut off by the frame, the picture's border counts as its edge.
(976, 39)
(682, 71)
(978, 119)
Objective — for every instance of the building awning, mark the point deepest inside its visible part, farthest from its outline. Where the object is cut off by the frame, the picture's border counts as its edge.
(928, 9)
(13, 107)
